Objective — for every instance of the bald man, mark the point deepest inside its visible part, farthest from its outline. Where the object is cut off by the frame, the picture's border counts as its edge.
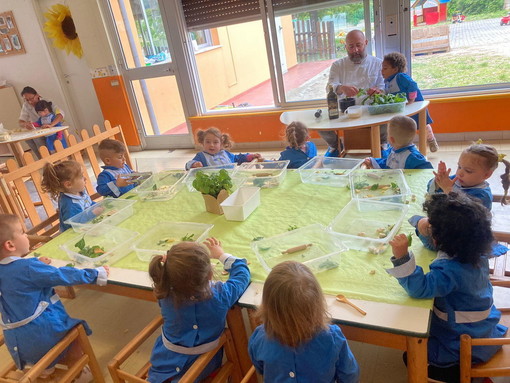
(350, 74)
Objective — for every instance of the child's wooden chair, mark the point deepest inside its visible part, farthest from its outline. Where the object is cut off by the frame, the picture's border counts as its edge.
(229, 369)
(498, 365)
(63, 374)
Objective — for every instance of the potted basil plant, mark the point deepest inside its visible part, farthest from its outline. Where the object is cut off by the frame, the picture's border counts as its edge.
(215, 188)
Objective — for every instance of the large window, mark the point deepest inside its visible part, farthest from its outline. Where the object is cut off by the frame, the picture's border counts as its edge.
(459, 43)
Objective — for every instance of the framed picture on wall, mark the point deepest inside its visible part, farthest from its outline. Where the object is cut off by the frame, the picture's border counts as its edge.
(10, 38)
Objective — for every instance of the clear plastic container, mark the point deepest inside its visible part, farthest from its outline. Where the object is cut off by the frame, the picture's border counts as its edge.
(114, 241)
(241, 203)
(161, 237)
(379, 184)
(368, 225)
(328, 171)
(263, 174)
(230, 168)
(110, 211)
(397, 107)
(161, 186)
(312, 245)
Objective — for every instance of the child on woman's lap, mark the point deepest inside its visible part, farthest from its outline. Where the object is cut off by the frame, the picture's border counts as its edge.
(194, 308)
(296, 339)
(300, 150)
(33, 318)
(458, 279)
(215, 144)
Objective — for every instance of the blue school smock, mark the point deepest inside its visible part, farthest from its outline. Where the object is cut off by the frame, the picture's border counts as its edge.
(106, 181)
(195, 324)
(24, 284)
(223, 157)
(71, 204)
(297, 157)
(408, 157)
(325, 358)
(403, 83)
(50, 140)
(463, 304)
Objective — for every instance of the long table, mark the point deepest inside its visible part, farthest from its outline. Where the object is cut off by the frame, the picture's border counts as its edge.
(393, 318)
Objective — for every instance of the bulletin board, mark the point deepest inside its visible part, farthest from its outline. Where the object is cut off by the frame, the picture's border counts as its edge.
(10, 38)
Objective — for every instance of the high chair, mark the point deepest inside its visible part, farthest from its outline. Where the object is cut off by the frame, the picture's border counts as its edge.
(230, 368)
(62, 374)
(498, 365)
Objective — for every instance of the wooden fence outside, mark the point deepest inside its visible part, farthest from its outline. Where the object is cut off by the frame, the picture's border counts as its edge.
(314, 40)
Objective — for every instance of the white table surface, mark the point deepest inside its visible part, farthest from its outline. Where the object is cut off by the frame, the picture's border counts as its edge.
(31, 134)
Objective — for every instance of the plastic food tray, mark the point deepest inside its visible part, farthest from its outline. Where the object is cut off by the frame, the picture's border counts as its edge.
(241, 203)
(161, 186)
(397, 107)
(110, 211)
(263, 174)
(161, 237)
(328, 171)
(323, 254)
(115, 241)
(381, 185)
(368, 225)
(230, 168)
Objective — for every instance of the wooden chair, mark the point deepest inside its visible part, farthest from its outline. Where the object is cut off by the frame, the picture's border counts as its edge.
(62, 374)
(229, 369)
(498, 365)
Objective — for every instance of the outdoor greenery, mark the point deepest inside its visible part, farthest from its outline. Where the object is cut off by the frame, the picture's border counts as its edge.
(459, 69)
(474, 7)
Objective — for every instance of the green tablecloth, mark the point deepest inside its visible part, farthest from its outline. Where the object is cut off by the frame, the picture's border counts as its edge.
(293, 203)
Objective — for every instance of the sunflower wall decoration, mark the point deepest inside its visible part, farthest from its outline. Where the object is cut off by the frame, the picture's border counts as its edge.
(61, 29)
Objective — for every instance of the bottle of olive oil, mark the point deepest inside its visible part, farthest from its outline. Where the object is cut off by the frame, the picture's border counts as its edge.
(332, 103)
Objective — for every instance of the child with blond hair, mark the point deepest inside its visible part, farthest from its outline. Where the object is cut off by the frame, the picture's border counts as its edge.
(33, 319)
(194, 308)
(402, 153)
(112, 181)
(397, 81)
(296, 339)
(215, 145)
(300, 150)
(66, 184)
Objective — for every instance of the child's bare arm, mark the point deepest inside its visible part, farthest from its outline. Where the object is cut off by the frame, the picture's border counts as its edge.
(399, 245)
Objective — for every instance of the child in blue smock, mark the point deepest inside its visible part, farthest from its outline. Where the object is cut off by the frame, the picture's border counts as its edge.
(458, 280)
(476, 164)
(194, 308)
(66, 184)
(114, 180)
(401, 153)
(46, 120)
(33, 319)
(397, 81)
(296, 342)
(300, 150)
(215, 145)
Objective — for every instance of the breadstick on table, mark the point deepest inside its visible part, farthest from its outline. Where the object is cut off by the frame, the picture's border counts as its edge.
(297, 248)
(263, 174)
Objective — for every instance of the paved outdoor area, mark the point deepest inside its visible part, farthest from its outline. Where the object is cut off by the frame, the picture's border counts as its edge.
(486, 35)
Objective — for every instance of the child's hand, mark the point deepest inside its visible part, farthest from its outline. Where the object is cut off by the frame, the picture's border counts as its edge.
(442, 178)
(98, 210)
(45, 260)
(374, 90)
(107, 269)
(121, 182)
(399, 245)
(214, 247)
(46, 126)
(424, 227)
(367, 163)
(197, 165)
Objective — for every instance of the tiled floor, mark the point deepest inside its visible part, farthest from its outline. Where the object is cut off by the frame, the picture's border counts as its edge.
(115, 320)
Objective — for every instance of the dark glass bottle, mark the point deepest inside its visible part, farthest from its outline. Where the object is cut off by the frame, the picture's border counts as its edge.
(332, 104)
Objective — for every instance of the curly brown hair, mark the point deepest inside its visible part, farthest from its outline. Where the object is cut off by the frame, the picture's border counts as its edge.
(183, 275)
(396, 60)
(226, 141)
(54, 176)
(296, 134)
